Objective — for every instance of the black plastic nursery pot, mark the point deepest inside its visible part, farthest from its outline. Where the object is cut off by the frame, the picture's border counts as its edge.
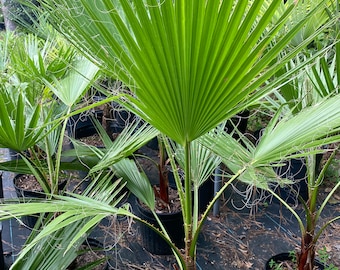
(205, 194)
(121, 118)
(81, 125)
(205, 191)
(151, 241)
(287, 257)
(31, 220)
(153, 144)
(2, 261)
(295, 170)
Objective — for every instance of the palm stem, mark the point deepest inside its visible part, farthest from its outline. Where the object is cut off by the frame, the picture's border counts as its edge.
(59, 150)
(313, 190)
(210, 205)
(291, 209)
(188, 203)
(163, 172)
(321, 176)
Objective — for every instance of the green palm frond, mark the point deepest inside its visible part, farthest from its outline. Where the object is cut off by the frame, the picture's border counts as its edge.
(33, 60)
(36, 257)
(6, 43)
(311, 84)
(284, 138)
(203, 162)
(237, 158)
(73, 86)
(325, 74)
(131, 139)
(136, 181)
(113, 156)
(314, 126)
(77, 216)
(313, 23)
(18, 121)
(191, 64)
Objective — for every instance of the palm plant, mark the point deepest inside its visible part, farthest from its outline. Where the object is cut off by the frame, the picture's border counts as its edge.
(190, 65)
(201, 85)
(38, 245)
(307, 89)
(289, 137)
(42, 83)
(39, 91)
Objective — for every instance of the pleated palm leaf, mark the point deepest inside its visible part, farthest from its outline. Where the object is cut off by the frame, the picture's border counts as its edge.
(189, 64)
(314, 22)
(44, 82)
(132, 138)
(184, 61)
(290, 137)
(309, 88)
(65, 232)
(20, 95)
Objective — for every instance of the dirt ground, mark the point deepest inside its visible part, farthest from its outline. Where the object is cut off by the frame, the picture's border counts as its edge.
(234, 240)
(239, 238)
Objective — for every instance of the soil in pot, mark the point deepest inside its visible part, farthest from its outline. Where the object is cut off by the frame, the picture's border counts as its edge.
(27, 187)
(172, 221)
(285, 261)
(93, 140)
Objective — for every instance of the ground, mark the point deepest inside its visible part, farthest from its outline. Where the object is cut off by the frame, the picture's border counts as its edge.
(234, 240)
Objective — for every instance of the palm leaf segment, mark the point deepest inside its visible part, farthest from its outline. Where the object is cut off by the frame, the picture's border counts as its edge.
(190, 64)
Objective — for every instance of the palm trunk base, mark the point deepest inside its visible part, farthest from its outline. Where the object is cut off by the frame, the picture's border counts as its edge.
(306, 259)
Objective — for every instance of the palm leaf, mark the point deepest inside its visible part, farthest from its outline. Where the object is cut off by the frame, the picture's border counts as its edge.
(286, 138)
(312, 127)
(312, 24)
(114, 154)
(78, 214)
(203, 162)
(238, 158)
(136, 181)
(79, 79)
(197, 74)
(36, 257)
(18, 130)
(324, 75)
(131, 139)
(95, 159)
